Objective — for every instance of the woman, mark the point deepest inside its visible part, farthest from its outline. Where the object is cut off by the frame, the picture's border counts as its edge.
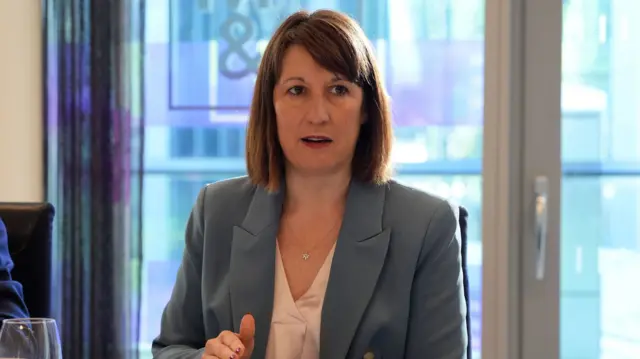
(317, 253)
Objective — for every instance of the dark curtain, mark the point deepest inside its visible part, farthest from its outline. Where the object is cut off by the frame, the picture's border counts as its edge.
(93, 95)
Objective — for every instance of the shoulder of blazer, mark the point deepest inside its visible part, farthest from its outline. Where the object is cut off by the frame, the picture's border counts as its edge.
(413, 199)
(416, 209)
(227, 199)
(229, 189)
(5, 257)
(228, 193)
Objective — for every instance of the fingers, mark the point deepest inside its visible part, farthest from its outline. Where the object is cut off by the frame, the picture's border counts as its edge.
(226, 345)
(231, 345)
(247, 328)
(231, 341)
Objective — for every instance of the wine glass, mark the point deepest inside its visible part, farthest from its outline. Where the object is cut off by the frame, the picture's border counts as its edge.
(30, 338)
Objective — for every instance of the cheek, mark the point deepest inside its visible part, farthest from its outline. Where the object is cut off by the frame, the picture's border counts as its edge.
(284, 131)
(351, 123)
(284, 121)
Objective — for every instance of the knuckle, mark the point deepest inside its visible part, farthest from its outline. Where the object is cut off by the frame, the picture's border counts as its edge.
(229, 337)
(210, 346)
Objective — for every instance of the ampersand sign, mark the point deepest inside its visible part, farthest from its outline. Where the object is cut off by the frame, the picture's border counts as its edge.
(237, 30)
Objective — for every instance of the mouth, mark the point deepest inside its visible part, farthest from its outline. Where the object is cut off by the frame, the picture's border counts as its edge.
(317, 139)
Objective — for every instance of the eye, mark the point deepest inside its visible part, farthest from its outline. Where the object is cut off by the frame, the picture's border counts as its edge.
(339, 90)
(296, 90)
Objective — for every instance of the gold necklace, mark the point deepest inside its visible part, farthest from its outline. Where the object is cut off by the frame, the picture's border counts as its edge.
(307, 254)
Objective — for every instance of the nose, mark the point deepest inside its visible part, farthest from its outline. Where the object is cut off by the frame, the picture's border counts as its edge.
(317, 112)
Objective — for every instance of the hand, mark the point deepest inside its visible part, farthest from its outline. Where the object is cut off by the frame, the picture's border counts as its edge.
(230, 345)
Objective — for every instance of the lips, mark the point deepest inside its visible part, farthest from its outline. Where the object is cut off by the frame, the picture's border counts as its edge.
(317, 139)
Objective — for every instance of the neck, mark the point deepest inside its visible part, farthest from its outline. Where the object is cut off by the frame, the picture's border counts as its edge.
(316, 194)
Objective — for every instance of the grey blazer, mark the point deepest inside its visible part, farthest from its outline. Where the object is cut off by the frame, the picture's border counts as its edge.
(395, 288)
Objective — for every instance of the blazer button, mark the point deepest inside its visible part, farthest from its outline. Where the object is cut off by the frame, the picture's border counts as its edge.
(368, 355)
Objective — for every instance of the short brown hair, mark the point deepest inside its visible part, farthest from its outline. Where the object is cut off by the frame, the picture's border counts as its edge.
(337, 43)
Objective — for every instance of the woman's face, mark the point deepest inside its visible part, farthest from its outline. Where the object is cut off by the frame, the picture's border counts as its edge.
(318, 114)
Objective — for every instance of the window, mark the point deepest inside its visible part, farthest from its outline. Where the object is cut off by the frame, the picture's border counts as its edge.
(601, 180)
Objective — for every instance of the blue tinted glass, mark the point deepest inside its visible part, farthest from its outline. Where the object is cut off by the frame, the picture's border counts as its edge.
(600, 237)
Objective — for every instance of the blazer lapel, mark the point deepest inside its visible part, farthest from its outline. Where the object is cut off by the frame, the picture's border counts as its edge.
(252, 265)
(360, 254)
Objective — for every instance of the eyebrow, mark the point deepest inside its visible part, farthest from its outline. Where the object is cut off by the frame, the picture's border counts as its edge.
(335, 78)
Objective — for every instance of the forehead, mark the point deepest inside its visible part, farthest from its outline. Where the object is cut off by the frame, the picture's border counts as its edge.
(297, 61)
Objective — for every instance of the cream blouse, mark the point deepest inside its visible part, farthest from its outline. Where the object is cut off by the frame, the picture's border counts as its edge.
(295, 325)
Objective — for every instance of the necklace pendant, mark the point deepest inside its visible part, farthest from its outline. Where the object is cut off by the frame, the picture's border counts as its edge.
(305, 256)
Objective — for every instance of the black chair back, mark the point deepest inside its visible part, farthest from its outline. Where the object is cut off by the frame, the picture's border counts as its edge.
(29, 228)
(462, 219)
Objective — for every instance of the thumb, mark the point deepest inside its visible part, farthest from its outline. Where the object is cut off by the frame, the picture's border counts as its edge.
(247, 328)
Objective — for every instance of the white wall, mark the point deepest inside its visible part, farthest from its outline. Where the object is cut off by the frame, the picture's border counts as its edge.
(21, 122)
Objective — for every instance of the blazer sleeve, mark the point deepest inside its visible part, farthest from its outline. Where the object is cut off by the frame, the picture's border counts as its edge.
(11, 298)
(437, 326)
(182, 334)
